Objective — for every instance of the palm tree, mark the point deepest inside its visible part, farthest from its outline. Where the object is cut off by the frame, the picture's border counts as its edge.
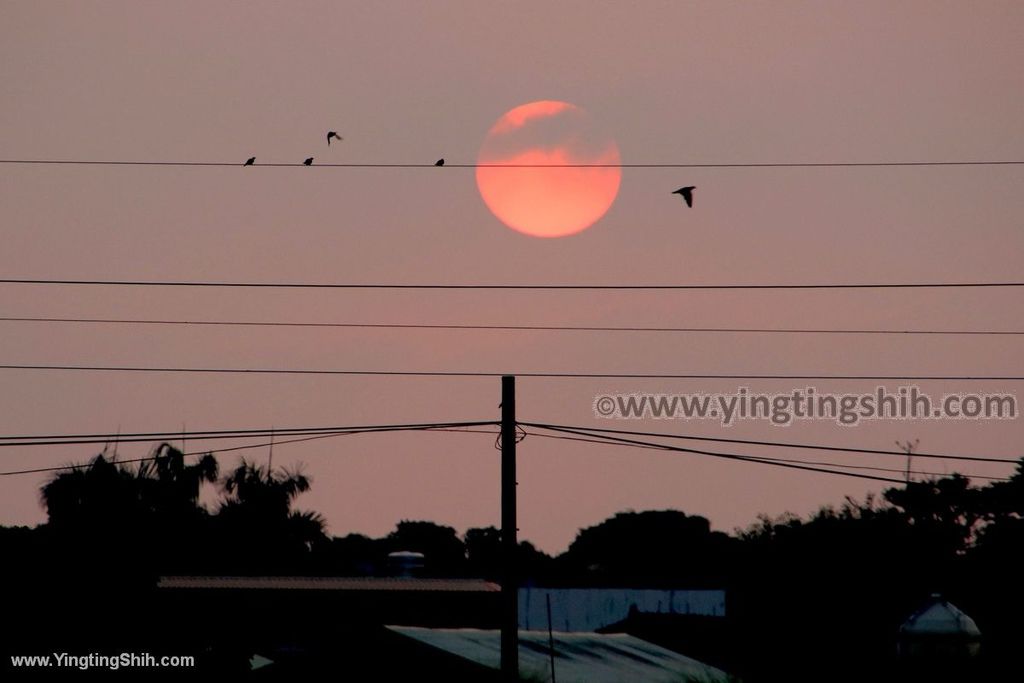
(260, 531)
(174, 486)
(263, 492)
(92, 494)
(148, 515)
(105, 491)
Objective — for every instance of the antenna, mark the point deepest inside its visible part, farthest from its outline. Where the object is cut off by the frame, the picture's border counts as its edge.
(908, 448)
(270, 456)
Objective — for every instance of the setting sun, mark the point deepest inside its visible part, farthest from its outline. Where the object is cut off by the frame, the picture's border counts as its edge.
(548, 202)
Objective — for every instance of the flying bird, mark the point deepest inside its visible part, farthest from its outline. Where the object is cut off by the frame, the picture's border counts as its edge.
(439, 162)
(332, 134)
(308, 162)
(687, 193)
(250, 161)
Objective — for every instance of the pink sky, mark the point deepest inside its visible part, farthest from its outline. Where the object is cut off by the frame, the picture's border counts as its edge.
(705, 82)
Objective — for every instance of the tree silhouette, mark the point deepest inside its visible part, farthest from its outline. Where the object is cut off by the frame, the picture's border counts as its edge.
(159, 492)
(93, 495)
(177, 484)
(443, 551)
(662, 547)
(1004, 499)
(257, 528)
(483, 552)
(351, 555)
(484, 557)
(947, 510)
(127, 524)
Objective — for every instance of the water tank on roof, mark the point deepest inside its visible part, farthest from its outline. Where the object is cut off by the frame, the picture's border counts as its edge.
(939, 630)
(405, 563)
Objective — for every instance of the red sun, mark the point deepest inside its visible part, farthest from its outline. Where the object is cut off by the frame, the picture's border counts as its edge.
(548, 202)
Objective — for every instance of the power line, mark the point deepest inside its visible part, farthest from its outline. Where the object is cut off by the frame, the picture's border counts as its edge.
(537, 375)
(76, 466)
(783, 164)
(463, 427)
(727, 456)
(542, 328)
(80, 439)
(531, 287)
(200, 435)
(924, 473)
(778, 462)
(773, 444)
(765, 458)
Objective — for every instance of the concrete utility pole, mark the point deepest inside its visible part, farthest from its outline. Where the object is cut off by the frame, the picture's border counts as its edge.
(509, 542)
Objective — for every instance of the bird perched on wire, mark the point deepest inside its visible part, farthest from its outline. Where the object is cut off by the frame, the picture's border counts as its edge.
(332, 134)
(308, 162)
(250, 161)
(687, 194)
(439, 162)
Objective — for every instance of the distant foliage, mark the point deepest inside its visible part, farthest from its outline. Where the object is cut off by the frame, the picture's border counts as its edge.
(834, 586)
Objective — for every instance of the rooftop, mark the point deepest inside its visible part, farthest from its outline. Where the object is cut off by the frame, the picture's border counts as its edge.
(579, 657)
(327, 583)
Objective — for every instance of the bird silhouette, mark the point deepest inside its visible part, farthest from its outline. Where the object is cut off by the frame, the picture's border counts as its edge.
(439, 162)
(308, 162)
(687, 193)
(250, 161)
(332, 134)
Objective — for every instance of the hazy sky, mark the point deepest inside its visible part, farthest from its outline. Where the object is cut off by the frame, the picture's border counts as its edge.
(674, 82)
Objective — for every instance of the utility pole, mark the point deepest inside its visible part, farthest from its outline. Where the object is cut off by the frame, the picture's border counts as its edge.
(509, 542)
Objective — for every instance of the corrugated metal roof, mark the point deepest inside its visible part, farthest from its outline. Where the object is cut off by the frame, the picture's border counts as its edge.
(330, 583)
(579, 657)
